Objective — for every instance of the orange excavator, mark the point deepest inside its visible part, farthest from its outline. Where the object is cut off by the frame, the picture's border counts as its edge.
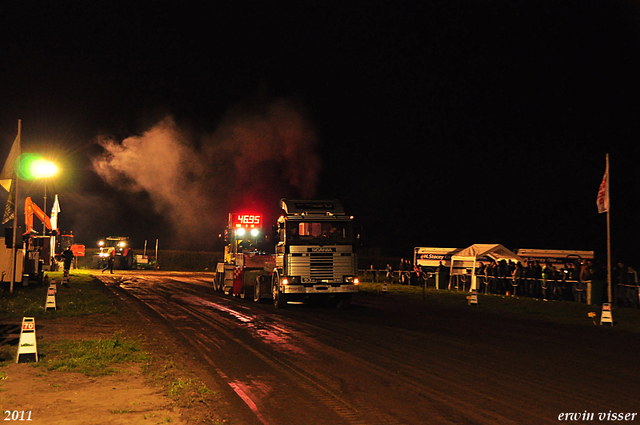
(30, 208)
(38, 255)
(42, 250)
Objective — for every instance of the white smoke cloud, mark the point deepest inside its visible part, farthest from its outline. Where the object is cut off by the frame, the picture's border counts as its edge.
(251, 161)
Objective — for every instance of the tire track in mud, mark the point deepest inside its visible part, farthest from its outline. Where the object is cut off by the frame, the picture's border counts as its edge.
(406, 379)
(190, 313)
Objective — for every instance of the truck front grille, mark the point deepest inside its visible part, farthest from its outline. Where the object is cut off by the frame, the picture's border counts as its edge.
(321, 265)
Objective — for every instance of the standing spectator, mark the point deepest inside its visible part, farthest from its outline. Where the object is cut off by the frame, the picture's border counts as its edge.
(518, 275)
(417, 272)
(408, 269)
(491, 276)
(574, 272)
(67, 256)
(373, 274)
(632, 276)
(586, 271)
(502, 273)
(110, 261)
(573, 275)
(511, 267)
(481, 269)
(389, 272)
(441, 275)
(481, 277)
(528, 276)
(537, 277)
(621, 287)
(546, 280)
(632, 279)
(556, 285)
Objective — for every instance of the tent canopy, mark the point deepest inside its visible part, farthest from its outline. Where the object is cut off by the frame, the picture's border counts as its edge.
(494, 251)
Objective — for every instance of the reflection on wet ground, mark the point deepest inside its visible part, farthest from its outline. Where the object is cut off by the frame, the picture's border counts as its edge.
(262, 326)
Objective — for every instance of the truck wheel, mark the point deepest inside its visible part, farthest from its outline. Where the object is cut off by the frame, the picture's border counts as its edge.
(129, 261)
(279, 299)
(217, 282)
(256, 291)
(214, 282)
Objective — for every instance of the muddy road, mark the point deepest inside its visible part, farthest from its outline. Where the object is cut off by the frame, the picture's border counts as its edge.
(388, 361)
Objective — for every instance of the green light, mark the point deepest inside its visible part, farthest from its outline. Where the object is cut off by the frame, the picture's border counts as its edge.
(30, 166)
(24, 165)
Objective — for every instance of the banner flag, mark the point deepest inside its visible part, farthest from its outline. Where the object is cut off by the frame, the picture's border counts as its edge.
(10, 208)
(55, 210)
(603, 193)
(8, 172)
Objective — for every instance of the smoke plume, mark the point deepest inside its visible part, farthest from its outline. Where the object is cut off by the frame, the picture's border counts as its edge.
(250, 162)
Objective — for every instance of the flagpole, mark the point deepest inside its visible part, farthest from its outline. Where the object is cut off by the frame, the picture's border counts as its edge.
(609, 234)
(14, 250)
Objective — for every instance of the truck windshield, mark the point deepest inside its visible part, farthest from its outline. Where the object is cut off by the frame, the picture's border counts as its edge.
(319, 231)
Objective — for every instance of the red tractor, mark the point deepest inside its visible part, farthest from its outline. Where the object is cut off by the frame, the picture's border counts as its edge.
(117, 247)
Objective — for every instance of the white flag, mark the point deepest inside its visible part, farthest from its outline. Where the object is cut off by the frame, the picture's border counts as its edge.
(54, 213)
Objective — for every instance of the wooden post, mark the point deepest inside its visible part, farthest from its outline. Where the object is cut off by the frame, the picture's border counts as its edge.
(609, 234)
(14, 250)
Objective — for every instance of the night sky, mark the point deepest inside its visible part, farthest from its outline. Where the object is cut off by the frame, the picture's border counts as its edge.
(436, 123)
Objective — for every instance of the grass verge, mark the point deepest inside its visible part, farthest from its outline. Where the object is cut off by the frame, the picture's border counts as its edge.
(92, 357)
(524, 308)
(84, 296)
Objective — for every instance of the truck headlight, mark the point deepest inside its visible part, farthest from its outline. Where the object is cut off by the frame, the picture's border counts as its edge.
(352, 279)
(291, 280)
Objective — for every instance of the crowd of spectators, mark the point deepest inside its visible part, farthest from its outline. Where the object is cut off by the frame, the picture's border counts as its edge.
(536, 279)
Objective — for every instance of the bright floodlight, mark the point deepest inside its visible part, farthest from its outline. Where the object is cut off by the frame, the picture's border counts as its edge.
(44, 169)
(240, 232)
(254, 232)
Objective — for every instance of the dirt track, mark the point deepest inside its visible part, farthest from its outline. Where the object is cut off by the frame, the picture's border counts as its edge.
(387, 361)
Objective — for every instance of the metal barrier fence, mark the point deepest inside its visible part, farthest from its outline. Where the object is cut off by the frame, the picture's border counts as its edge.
(397, 276)
(550, 289)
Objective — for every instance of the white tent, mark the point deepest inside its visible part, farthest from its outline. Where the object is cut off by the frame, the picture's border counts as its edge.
(468, 257)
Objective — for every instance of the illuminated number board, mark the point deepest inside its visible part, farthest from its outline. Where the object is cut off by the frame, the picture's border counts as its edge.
(246, 220)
